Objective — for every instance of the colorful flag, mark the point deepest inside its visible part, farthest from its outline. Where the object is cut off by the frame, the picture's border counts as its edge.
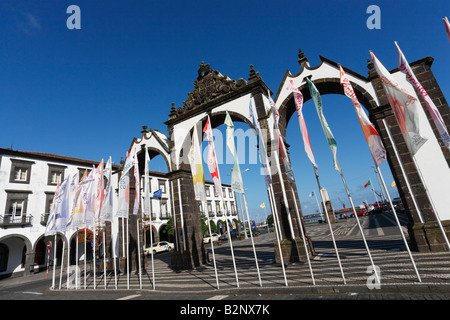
(405, 108)
(236, 178)
(262, 147)
(146, 184)
(107, 205)
(136, 183)
(195, 160)
(262, 205)
(212, 160)
(367, 184)
(124, 189)
(326, 129)
(404, 67)
(311, 194)
(298, 98)
(76, 219)
(372, 137)
(447, 27)
(393, 184)
(284, 155)
(88, 189)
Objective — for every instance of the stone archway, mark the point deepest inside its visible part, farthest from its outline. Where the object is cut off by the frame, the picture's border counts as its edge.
(26, 260)
(423, 227)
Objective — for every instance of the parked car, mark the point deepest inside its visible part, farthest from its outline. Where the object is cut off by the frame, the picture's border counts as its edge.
(359, 213)
(161, 246)
(207, 238)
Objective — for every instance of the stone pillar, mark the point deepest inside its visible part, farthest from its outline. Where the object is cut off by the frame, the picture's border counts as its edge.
(423, 228)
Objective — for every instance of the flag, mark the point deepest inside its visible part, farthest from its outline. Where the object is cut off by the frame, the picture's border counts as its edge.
(373, 139)
(99, 190)
(393, 184)
(62, 206)
(76, 219)
(367, 184)
(284, 155)
(88, 198)
(262, 205)
(236, 178)
(195, 160)
(107, 205)
(146, 185)
(136, 184)
(404, 67)
(124, 189)
(311, 194)
(212, 160)
(405, 108)
(262, 147)
(51, 217)
(447, 27)
(326, 129)
(298, 98)
(157, 193)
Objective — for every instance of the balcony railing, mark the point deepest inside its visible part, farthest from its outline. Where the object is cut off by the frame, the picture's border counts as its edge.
(12, 221)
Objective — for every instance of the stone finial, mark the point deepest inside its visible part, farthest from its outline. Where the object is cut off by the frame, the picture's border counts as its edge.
(144, 130)
(371, 69)
(173, 110)
(253, 74)
(302, 59)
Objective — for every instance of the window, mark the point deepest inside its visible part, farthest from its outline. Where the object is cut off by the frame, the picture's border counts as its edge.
(162, 185)
(16, 203)
(207, 191)
(164, 211)
(55, 174)
(49, 201)
(209, 207)
(20, 171)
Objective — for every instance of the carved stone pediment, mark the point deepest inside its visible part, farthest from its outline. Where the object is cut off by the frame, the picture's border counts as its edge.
(210, 85)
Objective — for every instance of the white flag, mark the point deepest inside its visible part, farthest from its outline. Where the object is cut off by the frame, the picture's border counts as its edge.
(236, 178)
(212, 160)
(137, 184)
(146, 185)
(124, 188)
(404, 67)
(195, 160)
(88, 191)
(405, 108)
(62, 206)
(107, 205)
(99, 190)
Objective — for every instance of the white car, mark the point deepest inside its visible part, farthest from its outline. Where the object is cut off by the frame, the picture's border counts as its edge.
(159, 247)
(207, 238)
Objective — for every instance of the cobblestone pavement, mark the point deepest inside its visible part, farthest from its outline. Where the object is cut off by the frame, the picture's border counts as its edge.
(398, 279)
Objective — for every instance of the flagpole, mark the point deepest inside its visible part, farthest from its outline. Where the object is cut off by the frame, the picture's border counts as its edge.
(373, 190)
(85, 256)
(181, 215)
(139, 252)
(276, 224)
(398, 224)
(128, 256)
(416, 206)
(76, 261)
(54, 262)
(359, 225)
(231, 246)
(212, 242)
(114, 252)
(251, 237)
(94, 243)
(62, 262)
(174, 219)
(243, 216)
(151, 247)
(300, 222)
(123, 242)
(382, 195)
(327, 219)
(104, 254)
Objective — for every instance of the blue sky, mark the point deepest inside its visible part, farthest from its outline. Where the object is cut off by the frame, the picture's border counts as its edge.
(87, 93)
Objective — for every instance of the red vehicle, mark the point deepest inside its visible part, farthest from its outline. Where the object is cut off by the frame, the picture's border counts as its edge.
(359, 213)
